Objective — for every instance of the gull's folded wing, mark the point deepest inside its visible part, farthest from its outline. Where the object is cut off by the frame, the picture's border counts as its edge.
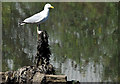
(34, 19)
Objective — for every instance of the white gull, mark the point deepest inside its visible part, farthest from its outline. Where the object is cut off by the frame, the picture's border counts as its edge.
(39, 17)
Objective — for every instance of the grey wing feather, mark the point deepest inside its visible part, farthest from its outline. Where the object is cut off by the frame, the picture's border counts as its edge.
(34, 18)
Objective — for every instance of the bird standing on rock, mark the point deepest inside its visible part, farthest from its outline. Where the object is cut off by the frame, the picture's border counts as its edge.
(39, 17)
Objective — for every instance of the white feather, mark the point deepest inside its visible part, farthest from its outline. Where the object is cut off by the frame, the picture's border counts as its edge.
(39, 17)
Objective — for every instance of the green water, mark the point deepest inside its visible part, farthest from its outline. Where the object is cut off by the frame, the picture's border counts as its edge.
(83, 39)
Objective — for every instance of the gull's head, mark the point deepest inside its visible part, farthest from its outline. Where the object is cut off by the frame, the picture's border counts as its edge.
(48, 6)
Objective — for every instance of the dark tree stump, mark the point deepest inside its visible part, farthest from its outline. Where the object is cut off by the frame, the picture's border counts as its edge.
(43, 51)
(43, 54)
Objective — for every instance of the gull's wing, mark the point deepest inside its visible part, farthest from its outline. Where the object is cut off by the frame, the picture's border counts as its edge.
(35, 18)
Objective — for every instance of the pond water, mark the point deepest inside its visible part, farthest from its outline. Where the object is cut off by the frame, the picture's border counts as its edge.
(83, 39)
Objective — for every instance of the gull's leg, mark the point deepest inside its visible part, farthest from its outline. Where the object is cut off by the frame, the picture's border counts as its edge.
(38, 29)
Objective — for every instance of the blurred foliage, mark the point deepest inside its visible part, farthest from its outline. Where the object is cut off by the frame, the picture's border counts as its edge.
(77, 31)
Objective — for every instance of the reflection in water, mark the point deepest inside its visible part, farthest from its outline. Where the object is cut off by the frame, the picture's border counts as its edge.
(10, 64)
(91, 73)
(83, 39)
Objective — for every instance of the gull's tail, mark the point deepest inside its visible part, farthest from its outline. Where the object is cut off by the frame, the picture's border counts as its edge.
(22, 24)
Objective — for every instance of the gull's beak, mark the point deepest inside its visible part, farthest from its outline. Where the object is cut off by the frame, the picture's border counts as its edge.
(51, 7)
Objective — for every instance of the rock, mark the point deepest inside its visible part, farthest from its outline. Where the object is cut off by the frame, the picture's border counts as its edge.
(2, 77)
(56, 78)
(38, 77)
